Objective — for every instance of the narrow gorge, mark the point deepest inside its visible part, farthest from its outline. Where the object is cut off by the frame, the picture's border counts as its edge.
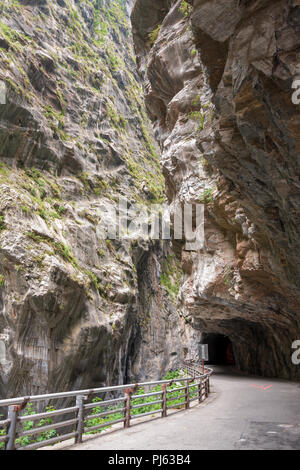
(157, 102)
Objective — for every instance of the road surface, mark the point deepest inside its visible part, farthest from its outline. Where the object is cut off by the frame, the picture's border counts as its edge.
(241, 413)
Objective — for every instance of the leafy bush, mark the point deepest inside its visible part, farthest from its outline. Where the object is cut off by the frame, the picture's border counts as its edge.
(176, 374)
(98, 421)
(28, 425)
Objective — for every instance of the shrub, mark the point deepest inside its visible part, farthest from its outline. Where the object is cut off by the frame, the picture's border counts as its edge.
(154, 34)
(174, 374)
(28, 425)
(185, 8)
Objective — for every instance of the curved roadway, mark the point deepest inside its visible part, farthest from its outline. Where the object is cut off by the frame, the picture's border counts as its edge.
(241, 412)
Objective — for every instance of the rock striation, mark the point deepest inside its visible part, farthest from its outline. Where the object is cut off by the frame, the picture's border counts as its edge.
(218, 82)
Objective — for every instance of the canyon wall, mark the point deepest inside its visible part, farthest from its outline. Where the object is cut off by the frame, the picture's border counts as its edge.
(76, 310)
(218, 77)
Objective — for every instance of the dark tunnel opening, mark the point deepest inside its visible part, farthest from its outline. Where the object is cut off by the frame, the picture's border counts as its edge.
(220, 349)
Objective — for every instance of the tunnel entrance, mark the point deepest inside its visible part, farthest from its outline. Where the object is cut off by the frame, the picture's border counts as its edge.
(220, 350)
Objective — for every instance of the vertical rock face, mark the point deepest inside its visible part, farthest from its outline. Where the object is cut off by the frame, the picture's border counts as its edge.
(76, 310)
(218, 79)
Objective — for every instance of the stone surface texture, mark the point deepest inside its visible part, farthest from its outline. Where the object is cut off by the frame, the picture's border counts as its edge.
(218, 78)
(77, 311)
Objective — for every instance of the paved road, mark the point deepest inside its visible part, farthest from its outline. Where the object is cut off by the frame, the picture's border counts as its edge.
(241, 413)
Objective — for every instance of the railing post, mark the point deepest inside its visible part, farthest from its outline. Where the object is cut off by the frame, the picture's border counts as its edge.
(164, 400)
(127, 409)
(127, 404)
(12, 416)
(187, 395)
(80, 417)
(200, 391)
(208, 384)
(206, 387)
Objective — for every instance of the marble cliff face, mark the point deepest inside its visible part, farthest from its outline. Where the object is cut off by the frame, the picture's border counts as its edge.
(218, 78)
(77, 311)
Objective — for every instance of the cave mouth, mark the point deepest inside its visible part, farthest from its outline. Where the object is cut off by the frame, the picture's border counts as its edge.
(220, 349)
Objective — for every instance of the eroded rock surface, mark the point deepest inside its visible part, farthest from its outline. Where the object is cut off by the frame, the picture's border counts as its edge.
(218, 78)
(76, 311)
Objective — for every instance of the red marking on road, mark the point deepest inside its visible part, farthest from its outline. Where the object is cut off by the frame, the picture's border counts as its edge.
(261, 387)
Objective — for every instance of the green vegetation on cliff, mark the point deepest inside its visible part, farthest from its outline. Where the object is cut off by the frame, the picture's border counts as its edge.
(171, 275)
(89, 55)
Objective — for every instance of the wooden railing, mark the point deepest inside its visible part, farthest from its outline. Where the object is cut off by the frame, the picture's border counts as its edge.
(195, 387)
(194, 368)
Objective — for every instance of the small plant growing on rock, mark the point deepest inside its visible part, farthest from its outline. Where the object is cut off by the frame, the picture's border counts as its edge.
(2, 223)
(171, 276)
(194, 115)
(101, 253)
(202, 122)
(228, 278)
(196, 102)
(185, 8)
(206, 196)
(154, 34)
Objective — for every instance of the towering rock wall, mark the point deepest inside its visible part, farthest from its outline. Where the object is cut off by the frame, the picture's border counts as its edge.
(218, 78)
(76, 310)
